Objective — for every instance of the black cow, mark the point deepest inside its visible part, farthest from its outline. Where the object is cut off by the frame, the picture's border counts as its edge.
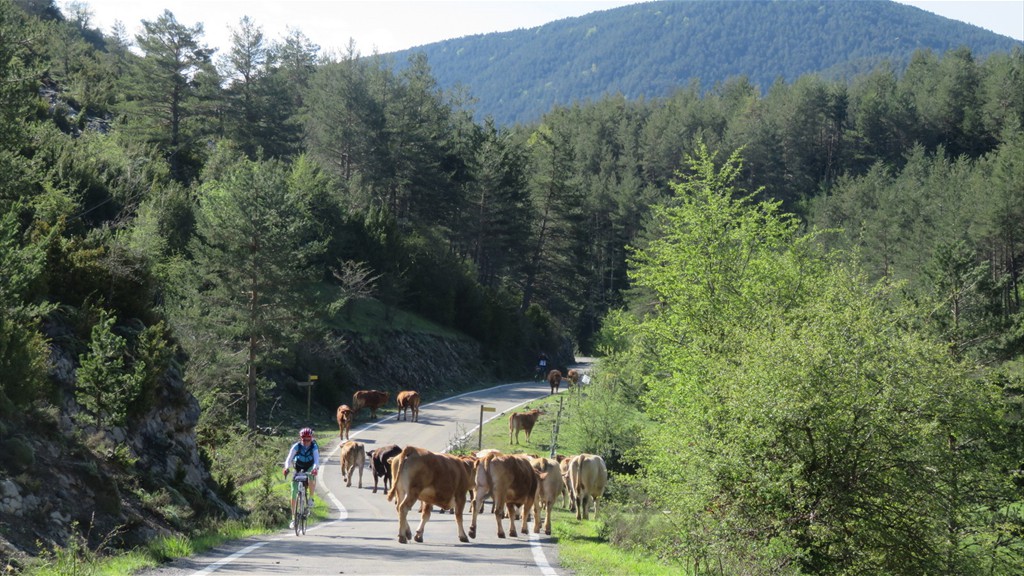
(380, 464)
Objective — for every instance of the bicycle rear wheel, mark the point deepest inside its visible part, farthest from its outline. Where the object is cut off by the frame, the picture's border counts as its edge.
(300, 513)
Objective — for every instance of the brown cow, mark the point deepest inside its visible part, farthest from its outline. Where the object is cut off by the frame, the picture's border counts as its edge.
(353, 455)
(434, 479)
(588, 476)
(554, 380)
(511, 481)
(573, 376)
(408, 400)
(372, 399)
(550, 485)
(380, 464)
(345, 416)
(522, 421)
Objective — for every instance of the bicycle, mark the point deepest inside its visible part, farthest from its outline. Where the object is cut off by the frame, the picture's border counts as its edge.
(301, 503)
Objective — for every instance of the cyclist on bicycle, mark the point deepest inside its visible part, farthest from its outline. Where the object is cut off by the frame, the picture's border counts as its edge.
(542, 367)
(305, 456)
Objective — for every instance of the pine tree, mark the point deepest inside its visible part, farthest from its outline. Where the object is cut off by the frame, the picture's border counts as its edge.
(254, 256)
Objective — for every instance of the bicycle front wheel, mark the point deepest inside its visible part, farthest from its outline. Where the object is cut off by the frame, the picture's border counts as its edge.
(300, 513)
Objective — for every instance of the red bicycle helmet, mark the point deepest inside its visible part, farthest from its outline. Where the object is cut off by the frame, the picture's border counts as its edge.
(306, 433)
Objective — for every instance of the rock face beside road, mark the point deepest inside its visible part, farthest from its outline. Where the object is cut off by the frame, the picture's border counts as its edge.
(63, 482)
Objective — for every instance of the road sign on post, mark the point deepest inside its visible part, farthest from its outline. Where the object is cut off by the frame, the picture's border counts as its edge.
(480, 434)
(309, 391)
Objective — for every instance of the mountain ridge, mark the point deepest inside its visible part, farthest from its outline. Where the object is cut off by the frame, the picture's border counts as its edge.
(650, 49)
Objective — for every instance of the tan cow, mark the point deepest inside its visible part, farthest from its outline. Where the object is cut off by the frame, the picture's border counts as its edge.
(345, 416)
(372, 399)
(554, 380)
(408, 400)
(522, 421)
(567, 493)
(433, 479)
(511, 481)
(549, 486)
(353, 456)
(588, 476)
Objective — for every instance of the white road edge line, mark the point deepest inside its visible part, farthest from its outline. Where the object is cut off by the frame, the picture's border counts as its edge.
(213, 567)
(538, 552)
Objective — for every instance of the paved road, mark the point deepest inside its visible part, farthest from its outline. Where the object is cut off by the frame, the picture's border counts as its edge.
(361, 536)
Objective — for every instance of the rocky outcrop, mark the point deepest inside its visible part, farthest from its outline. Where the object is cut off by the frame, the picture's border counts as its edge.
(106, 487)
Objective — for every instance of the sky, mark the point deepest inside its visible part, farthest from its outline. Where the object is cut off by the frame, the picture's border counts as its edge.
(390, 25)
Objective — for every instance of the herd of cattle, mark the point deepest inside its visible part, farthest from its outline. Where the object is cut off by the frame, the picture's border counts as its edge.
(519, 485)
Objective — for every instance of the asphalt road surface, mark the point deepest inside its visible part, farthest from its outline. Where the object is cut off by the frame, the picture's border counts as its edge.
(361, 533)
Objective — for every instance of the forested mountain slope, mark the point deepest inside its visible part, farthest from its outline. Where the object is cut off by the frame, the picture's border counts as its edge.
(648, 50)
(820, 287)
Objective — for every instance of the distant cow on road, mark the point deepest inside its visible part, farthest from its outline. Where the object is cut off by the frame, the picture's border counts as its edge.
(353, 457)
(408, 400)
(554, 380)
(345, 416)
(522, 421)
(372, 399)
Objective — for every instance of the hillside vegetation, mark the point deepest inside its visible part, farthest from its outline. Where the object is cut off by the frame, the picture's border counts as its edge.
(649, 50)
(807, 300)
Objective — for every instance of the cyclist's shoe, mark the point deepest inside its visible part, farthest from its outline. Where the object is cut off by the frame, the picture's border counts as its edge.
(312, 501)
(291, 525)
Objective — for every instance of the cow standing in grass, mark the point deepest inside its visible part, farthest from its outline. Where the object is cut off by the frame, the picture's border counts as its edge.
(588, 476)
(522, 421)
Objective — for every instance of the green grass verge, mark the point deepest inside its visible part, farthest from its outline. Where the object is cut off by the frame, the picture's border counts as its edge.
(80, 561)
(582, 549)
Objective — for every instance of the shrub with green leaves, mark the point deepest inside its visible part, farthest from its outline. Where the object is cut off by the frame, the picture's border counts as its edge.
(802, 424)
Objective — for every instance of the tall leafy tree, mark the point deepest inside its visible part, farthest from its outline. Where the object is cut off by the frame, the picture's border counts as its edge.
(556, 197)
(253, 255)
(497, 208)
(246, 62)
(344, 125)
(168, 84)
